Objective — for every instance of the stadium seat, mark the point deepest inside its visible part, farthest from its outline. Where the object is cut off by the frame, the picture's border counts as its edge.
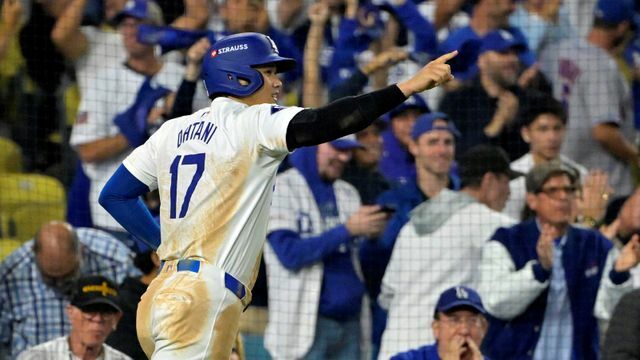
(27, 201)
(10, 156)
(7, 246)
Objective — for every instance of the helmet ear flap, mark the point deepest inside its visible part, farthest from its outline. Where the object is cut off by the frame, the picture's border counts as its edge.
(223, 77)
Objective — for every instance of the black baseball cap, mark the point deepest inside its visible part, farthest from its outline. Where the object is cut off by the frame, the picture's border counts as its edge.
(482, 159)
(95, 292)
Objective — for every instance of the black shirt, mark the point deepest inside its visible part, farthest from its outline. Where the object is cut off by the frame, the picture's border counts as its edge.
(471, 109)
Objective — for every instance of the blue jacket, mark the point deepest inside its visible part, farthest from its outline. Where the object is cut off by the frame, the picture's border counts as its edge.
(428, 352)
(583, 258)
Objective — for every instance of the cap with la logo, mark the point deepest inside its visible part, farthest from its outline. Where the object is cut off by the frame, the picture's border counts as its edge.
(459, 297)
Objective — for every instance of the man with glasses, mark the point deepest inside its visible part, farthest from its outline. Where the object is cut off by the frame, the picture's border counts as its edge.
(545, 282)
(36, 281)
(459, 325)
(94, 313)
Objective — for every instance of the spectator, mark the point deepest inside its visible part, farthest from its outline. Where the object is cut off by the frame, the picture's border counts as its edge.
(251, 16)
(95, 46)
(397, 163)
(623, 336)
(124, 337)
(487, 110)
(111, 120)
(543, 128)
(543, 22)
(361, 75)
(93, 313)
(447, 16)
(91, 48)
(442, 244)
(625, 223)
(415, 34)
(362, 171)
(315, 290)
(36, 280)
(544, 281)
(488, 16)
(433, 144)
(589, 84)
(459, 325)
(432, 141)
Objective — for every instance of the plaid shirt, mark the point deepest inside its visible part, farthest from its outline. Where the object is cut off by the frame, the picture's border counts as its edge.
(31, 312)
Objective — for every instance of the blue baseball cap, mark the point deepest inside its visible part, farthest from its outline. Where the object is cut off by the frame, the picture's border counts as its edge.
(348, 142)
(415, 101)
(145, 10)
(426, 122)
(501, 41)
(616, 11)
(468, 51)
(459, 296)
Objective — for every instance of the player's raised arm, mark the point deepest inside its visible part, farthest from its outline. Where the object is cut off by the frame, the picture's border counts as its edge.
(354, 113)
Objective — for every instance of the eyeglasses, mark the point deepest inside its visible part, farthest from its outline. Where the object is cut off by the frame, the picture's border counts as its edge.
(457, 321)
(94, 315)
(554, 192)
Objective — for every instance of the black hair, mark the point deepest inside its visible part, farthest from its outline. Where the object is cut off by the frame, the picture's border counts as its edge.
(473, 182)
(543, 104)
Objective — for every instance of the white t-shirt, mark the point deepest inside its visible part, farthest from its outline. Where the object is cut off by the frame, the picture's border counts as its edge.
(100, 104)
(58, 349)
(215, 172)
(105, 51)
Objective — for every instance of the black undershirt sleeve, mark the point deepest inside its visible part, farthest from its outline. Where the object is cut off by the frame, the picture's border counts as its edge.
(341, 117)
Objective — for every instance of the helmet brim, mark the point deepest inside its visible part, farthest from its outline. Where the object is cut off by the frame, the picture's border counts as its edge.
(282, 64)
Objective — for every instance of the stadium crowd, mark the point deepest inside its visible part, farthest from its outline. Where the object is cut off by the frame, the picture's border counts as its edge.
(495, 217)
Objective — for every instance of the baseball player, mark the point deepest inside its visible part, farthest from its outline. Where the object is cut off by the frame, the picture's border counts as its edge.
(215, 171)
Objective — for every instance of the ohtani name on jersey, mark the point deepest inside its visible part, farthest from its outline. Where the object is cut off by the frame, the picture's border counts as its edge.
(233, 48)
(201, 130)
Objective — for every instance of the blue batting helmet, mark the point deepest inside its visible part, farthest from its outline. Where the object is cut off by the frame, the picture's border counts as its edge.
(235, 58)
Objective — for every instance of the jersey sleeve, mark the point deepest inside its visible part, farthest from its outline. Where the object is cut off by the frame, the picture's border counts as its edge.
(141, 163)
(271, 127)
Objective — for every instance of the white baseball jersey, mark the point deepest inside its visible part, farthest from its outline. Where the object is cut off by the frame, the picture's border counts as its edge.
(215, 172)
(113, 92)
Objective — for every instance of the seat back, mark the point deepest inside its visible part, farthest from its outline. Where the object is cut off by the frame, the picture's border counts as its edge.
(27, 201)
(10, 156)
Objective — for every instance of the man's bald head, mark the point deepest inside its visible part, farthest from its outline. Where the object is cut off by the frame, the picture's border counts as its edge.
(57, 249)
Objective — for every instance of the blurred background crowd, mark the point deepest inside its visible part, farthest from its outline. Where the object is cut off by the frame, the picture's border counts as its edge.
(518, 179)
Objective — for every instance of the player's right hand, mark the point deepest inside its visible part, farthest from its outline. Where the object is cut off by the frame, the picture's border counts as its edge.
(435, 73)
(368, 221)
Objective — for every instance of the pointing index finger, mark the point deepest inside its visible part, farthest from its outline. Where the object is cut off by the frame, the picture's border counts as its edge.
(446, 57)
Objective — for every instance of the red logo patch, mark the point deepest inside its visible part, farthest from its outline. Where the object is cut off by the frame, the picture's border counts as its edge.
(214, 53)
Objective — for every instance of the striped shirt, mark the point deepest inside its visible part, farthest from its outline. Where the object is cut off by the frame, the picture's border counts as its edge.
(31, 312)
(58, 349)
